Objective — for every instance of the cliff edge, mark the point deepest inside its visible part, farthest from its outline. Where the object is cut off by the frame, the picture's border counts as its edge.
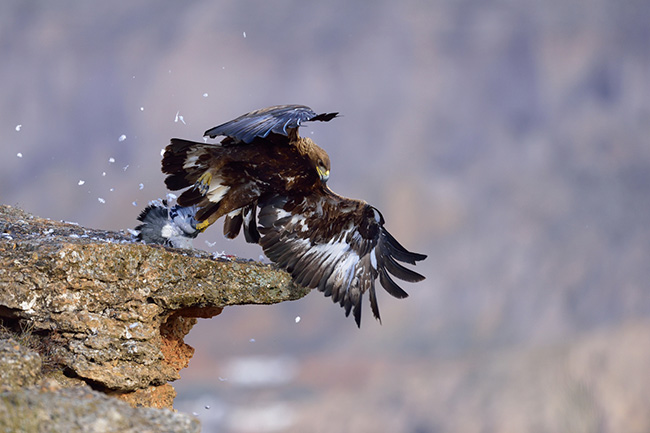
(88, 308)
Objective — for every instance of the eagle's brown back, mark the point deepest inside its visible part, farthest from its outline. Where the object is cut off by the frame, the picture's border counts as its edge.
(223, 179)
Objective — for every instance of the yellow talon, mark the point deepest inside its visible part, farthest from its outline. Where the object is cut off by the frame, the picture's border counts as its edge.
(203, 225)
(203, 183)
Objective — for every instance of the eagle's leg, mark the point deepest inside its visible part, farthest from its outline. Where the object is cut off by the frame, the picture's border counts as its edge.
(203, 225)
(203, 183)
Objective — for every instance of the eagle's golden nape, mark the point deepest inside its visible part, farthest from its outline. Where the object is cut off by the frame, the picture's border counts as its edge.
(270, 183)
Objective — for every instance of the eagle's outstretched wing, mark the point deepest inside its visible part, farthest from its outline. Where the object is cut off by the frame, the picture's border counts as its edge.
(337, 245)
(278, 119)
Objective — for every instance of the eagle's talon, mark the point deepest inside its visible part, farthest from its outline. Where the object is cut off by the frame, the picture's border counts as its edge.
(203, 183)
(202, 225)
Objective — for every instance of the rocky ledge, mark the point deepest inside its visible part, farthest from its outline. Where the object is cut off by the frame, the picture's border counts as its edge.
(92, 308)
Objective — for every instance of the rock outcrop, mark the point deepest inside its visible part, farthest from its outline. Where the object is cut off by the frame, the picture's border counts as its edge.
(96, 309)
(81, 409)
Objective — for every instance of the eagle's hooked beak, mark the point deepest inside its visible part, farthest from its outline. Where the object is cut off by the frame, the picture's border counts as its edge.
(323, 173)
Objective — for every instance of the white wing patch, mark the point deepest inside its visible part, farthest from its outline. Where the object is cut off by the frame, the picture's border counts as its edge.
(345, 269)
(339, 256)
(191, 162)
(332, 250)
(373, 258)
(217, 190)
(299, 221)
(376, 214)
(281, 213)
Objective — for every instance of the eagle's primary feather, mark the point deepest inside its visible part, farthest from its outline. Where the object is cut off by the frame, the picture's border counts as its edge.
(267, 179)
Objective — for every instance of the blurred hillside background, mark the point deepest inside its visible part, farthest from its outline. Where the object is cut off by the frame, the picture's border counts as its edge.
(508, 140)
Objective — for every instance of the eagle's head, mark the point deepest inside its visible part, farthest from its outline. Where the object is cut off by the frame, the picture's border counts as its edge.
(320, 161)
(316, 156)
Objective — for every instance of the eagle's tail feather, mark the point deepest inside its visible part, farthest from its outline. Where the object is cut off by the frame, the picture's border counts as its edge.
(174, 161)
(186, 162)
(191, 164)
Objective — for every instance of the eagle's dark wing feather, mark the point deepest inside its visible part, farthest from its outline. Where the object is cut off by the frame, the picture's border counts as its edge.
(260, 123)
(337, 245)
(242, 217)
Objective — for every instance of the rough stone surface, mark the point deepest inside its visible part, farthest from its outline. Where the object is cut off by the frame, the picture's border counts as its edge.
(92, 307)
(20, 366)
(80, 409)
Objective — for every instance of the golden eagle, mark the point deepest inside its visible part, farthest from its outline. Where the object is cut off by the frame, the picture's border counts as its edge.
(264, 171)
